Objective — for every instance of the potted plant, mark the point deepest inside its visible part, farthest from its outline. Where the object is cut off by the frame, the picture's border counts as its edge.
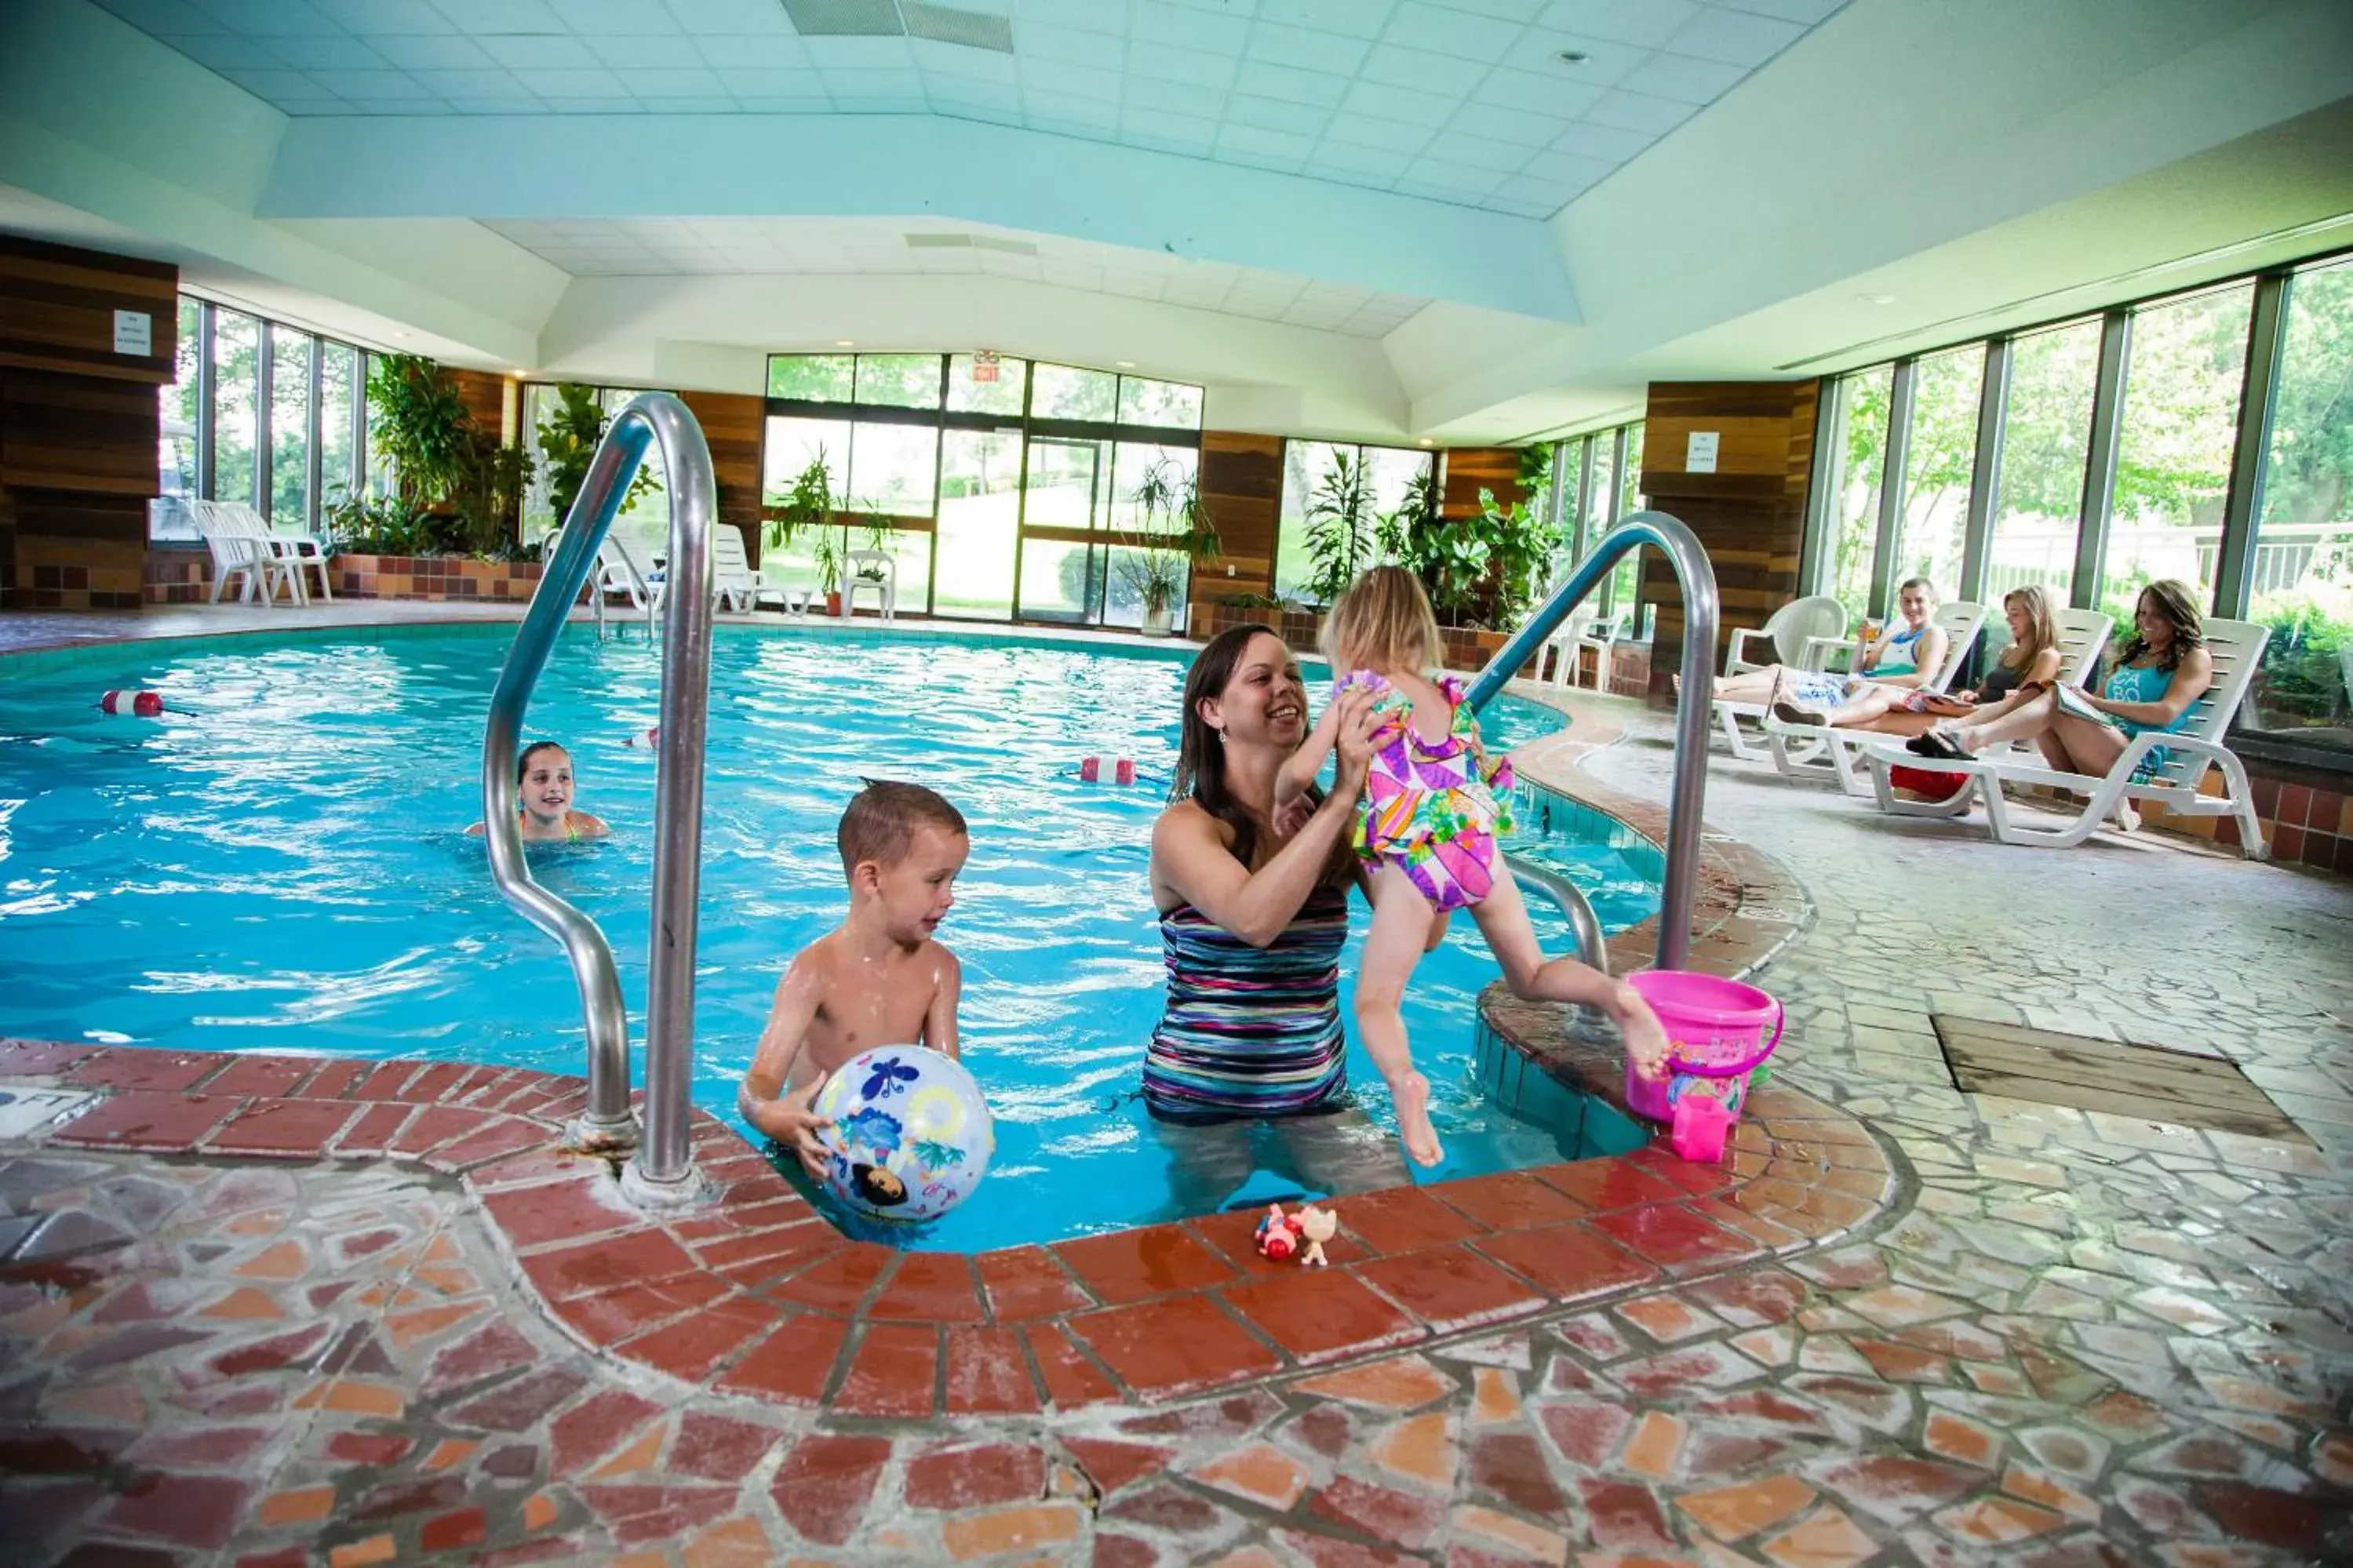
(442, 462)
(829, 570)
(1154, 561)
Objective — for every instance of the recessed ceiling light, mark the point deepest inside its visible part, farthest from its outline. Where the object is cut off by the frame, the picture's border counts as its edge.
(845, 343)
(1125, 363)
(1876, 299)
(398, 333)
(1428, 442)
(1572, 57)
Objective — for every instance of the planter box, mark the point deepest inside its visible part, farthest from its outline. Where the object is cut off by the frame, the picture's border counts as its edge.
(434, 577)
(1300, 628)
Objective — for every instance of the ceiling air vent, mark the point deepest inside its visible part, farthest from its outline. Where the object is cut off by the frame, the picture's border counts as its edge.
(946, 24)
(846, 18)
(970, 242)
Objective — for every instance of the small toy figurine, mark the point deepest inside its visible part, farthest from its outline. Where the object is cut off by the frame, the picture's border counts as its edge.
(1318, 1225)
(1278, 1237)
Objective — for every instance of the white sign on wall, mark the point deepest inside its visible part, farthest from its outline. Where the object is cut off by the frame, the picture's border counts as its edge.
(1699, 455)
(134, 333)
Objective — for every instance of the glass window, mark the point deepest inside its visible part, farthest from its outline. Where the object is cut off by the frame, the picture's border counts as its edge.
(1626, 578)
(290, 429)
(898, 380)
(1070, 483)
(176, 405)
(977, 388)
(645, 510)
(237, 369)
(2046, 433)
(979, 508)
(1306, 465)
(816, 378)
(1936, 467)
(338, 368)
(2303, 564)
(793, 444)
(1059, 391)
(1862, 448)
(1164, 403)
(893, 468)
(2183, 375)
(1135, 464)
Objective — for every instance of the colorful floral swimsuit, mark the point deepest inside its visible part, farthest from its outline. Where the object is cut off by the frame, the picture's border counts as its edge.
(1432, 809)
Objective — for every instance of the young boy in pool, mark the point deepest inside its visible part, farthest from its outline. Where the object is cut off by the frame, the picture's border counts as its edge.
(879, 978)
(544, 776)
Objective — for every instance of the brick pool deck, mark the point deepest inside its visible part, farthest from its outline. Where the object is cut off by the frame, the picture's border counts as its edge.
(280, 1309)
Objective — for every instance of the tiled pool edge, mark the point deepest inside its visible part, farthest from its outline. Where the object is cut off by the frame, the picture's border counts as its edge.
(755, 1296)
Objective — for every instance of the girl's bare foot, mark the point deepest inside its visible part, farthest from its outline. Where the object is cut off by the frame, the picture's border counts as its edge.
(1411, 1093)
(1675, 682)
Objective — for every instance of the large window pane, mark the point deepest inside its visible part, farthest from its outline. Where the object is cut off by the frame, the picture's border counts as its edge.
(1059, 391)
(1862, 448)
(898, 380)
(2046, 432)
(1390, 472)
(2304, 543)
(1306, 465)
(1135, 464)
(1002, 392)
(1937, 466)
(980, 505)
(910, 557)
(1069, 486)
(644, 512)
(290, 430)
(819, 378)
(793, 444)
(1164, 403)
(236, 368)
(338, 369)
(2182, 380)
(1626, 578)
(176, 404)
(893, 468)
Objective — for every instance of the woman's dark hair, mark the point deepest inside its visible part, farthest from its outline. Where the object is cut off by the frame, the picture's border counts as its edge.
(2178, 604)
(1201, 751)
(522, 763)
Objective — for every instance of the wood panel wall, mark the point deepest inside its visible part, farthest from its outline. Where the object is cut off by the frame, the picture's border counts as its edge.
(733, 424)
(78, 423)
(1469, 471)
(1750, 514)
(1241, 481)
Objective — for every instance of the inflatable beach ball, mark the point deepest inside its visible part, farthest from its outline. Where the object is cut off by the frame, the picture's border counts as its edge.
(910, 1135)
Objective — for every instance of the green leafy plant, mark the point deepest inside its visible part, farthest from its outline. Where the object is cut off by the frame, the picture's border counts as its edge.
(442, 460)
(568, 434)
(362, 524)
(807, 504)
(1409, 535)
(1155, 560)
(1520, 544)
(1340, 528)
(829, 561)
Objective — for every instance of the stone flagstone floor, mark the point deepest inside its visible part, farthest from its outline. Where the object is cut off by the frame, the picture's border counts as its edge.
(2077, 1338)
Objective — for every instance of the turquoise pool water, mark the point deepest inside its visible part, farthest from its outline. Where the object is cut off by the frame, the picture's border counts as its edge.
(280, 865)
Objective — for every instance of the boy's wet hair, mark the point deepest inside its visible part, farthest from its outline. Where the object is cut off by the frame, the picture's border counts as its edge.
(522, 763)
(880, 823)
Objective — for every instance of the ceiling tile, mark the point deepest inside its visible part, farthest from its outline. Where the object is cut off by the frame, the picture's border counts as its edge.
(1219, 34)
(1561, 167)
(476, 17)
(474, 84)
(448, 52)
(1603, 143)
(954, 60)
(772, 83)
(862, 82)
(599, 103)
(1650, 23)
(1681, 77)
(1077, 81)
(278, 86)
(523, 104)
(596, 83)
(751, 51)
(1503, 10)
(1276, 114)
(1429, 30)
(1319, 88)
(1071, 110)
(539, 51)
(223, 52)
(1370, 130)
(1605, 64)
(1639, 111)
(860, 53)
(1104, 51)
(1102, 15)
(1382, 103)
(1369, 160)
(1395, 66)
(1167, 133)
(1353, 19)
(1172, 97)
(854, 102)
(269, 19)
(724, 16)
(166, 18)
(1536, 92)
(1512, 126)
(396, 106)
(1810, 12)
(1282, 45)
(816, 104)
(617, 16)
(659, 83)
(1426, 170)
(1734, 38)
(1170, 62)
(672, 53)
(376, 85)
(1478, 151)
(323, 54)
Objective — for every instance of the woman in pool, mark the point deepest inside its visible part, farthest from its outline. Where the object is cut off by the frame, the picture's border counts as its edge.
(1907, 653)
(2032, 659)
(543, 775)
(2164, 671)
(1247, 1068)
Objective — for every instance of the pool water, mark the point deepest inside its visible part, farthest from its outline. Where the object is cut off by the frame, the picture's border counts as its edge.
(280, 864)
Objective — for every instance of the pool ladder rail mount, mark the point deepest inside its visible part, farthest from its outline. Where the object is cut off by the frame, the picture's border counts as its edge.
(660, 1170)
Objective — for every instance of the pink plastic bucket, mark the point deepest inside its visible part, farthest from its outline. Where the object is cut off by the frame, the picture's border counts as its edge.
(1716, 1028)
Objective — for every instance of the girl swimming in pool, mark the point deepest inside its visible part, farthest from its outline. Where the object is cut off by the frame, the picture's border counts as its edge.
(1426, 830)
(543, 774)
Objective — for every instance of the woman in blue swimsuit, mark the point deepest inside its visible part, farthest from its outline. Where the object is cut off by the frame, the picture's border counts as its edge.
(2164, 671)
(1908, 652)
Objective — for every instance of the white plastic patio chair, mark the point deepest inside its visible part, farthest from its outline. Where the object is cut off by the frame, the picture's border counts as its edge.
(1789, 630)
(2237, 647)
(241, 541)
(770, 588)
(1960, 622)
(1597, 633)
(885, 588)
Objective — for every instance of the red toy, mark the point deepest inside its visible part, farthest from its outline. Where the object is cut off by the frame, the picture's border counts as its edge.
(1703, 1123)
(145, 704)
(1278, 1235)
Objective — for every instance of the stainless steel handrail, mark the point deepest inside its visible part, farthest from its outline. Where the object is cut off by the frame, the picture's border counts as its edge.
(1584, 925)
(1682, 549)
(663, 1170)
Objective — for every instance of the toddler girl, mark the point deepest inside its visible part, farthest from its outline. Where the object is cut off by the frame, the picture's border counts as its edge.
(1427, 829)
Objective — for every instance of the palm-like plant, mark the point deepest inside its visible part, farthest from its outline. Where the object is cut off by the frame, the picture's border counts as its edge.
(1340, 530)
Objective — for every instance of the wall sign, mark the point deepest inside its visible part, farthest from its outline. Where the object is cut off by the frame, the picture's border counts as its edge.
(1699, 453)
(134, 333)
(983, 365)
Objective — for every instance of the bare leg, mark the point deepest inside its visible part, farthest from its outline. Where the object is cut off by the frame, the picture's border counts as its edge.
(1867, 706)
(1751, 685)
(2029, 719)
(1401, 917)
(1503, 917)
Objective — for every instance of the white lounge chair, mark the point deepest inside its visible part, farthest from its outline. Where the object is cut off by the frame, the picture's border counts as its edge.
(308, 551)
(2237, 647)
(732, 586)
(1812, 620)
(241, 542)
(1960, 622)
(1837, 755)
(884, 585)
(770, 588)
(1597, 633)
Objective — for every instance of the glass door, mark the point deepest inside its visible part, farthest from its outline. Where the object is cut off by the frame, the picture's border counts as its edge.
(1064, 496)
(980, 516)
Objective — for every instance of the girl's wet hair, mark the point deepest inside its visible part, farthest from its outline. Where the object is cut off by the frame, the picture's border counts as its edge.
(1383, 622)
(522, 763)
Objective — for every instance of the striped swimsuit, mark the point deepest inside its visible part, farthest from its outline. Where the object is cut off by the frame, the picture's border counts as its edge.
(1251, 1031)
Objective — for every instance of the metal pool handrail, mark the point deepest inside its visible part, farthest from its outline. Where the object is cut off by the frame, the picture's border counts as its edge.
(662, 1169)
(1673, 539)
